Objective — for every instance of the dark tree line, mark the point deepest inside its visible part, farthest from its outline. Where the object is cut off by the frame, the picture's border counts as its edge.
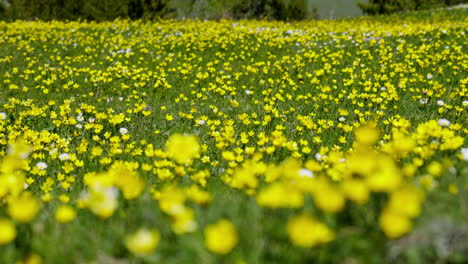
(153, 9)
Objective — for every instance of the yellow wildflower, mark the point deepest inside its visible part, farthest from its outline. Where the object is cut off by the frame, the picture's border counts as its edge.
(221, 237)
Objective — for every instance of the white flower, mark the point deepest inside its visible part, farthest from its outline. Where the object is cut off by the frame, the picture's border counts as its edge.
(248, 92)
(465, 103)
(91, 119)
(3, 115)
(201, 122)
(121, 98)
(429, 76)
(64, 156)
(440, 103)
(79, 126)
(80, 118)
(306, 173)
(53, 151)
(423, 101)
(383, 88)
(123, 130)
(341, 119)
(444, 122)
(41, 165)
(320, 157)
(464, 152)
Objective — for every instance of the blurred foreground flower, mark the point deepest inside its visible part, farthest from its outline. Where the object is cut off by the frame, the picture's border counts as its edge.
(143, 242)
(65, 214)
(7, 231)
(221, 237)
(305, 231)
(182, 148)
(23, 208)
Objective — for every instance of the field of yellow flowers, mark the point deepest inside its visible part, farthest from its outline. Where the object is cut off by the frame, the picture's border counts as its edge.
(235, 142)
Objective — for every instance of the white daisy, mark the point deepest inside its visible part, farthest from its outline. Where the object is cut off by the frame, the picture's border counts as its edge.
(41, 165)
(444, 122)
(64, 156)
(123, 130)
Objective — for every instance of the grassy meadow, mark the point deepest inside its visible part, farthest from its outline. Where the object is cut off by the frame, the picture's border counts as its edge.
(330, 141)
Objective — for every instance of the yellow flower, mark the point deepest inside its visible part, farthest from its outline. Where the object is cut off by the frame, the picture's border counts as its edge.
(394, 225)
(32, 259)
(435, 168)
(406, 201)
(453, 189)
(221, 237)
(101, 200)
(328, 198)
(7, 231)
(65, 214)
(306, 231)
(183, 220)
(127, 180)
(367, 135)
(143, 242)
(279, 195)
(355, 190)
(23, 208)
(183, 148)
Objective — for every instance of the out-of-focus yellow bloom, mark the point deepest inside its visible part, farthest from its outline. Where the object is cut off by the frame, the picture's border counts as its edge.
(198, 195)
(306, 231)
(143, 241)
(329, 198)
(367, 135)
(7, 231)
(101, 200)
(394, 225)
(221, 237)
(23, 208)
(386, 177)
(19, 149)
(280, 195)
(453, 189)
(65, 214)
(406, 201)
(355, 190)
(127, 180)
(182, 148)
(435, 168)
(183, 220)
(32, 259)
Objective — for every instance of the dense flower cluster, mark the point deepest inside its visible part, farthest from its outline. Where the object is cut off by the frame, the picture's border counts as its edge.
(224, 138)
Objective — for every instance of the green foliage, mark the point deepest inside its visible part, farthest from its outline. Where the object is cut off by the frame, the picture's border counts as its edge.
(83, 9)
(271, 9)
(151, 9)
(374, 7)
